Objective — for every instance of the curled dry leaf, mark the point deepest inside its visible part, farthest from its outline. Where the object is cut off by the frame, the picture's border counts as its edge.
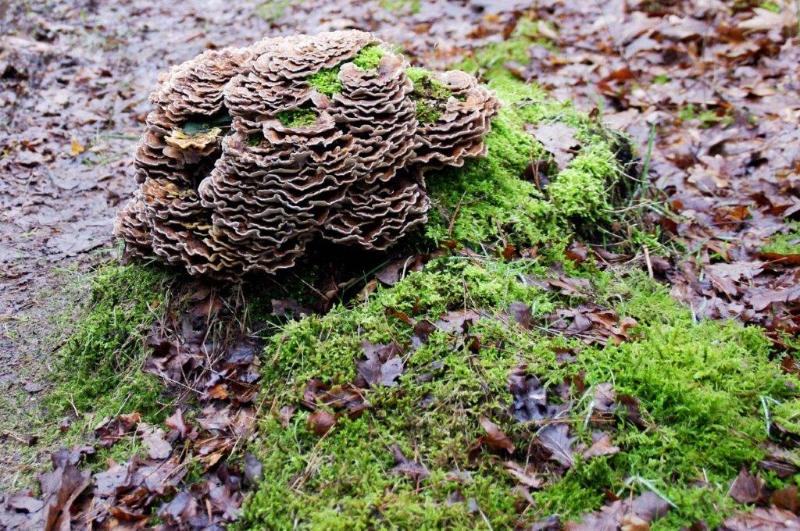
(530, 397)
(761, 519)
(524, 476)
(558, 139)
(111, 430)
(321, 422)
(521, 313)
(786, 498)
(601, 445)
(153, 438)
(747, 488)
(383, 364)
(632, 514)
(555, 438)
(407, 467)
(604, 399)
(495, 438)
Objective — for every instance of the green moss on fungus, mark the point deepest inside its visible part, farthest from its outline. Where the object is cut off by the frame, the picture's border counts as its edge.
(489, 199)
(429, 95)
(326, 81)
(299, 117)
(425, 86)
(426, 112)
(699, 386)
(369, 57)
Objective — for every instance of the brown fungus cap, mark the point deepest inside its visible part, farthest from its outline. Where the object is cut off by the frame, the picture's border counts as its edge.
(244, 161)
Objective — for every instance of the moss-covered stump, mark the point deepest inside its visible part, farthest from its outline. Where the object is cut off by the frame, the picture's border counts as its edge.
(508, 381)
(699, 389)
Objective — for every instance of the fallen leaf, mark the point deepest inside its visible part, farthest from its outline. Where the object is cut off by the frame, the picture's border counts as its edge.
(558, 139)
(76, 148)
(769, 519)
(495, 438)
(786, 498)
(521, 313)
(406, 467)
(321, 422)
(524, 476)
(555, 438)
(153, 439)
(636, 514)
(747, 488)
(253, 469)
(383, 365)
(176, 422)
(601, 445)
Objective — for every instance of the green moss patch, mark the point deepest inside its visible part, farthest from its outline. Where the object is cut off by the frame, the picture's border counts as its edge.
(699, 387)
(369, 57)
(786, 243)
(515, 194)
(429, 95)
(326, 81)
(98, 372)
(298, 117)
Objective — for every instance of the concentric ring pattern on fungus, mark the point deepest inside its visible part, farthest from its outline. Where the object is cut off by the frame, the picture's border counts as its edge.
(251, 153)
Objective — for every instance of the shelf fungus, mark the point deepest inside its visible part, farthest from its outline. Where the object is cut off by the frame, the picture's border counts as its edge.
(250, 154)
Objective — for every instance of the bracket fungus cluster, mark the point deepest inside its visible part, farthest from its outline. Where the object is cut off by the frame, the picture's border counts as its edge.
(251, 153)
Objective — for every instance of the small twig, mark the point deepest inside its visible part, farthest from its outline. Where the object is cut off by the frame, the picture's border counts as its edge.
(455, 216)
(647, 261)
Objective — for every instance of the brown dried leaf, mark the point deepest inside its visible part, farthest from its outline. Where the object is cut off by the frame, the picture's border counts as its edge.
(601, 445)
(495, 438)
(558, 139)
(321, 422)
(383, 364)
(555, 438)
(747, 488)
(524, 476)
(406, 467)
(760, 519)
(521, 313)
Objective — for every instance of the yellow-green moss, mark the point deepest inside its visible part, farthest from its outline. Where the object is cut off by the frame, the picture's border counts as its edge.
(326, 81)
(298, 117)
(369, 57)
(489, 198)
(426, 112)
(699, 386)
(429, 95)
(99, 368)
(785, 243)
(426, 86)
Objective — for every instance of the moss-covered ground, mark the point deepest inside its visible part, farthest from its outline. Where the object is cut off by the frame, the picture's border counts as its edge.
(785, 243)
(707, 391)
(699, 385)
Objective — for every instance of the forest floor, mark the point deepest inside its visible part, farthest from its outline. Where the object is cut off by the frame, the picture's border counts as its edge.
(708, 91)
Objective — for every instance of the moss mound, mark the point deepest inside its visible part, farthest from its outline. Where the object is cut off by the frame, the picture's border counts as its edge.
(517, 194)
(698, 386)
(406, 452)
